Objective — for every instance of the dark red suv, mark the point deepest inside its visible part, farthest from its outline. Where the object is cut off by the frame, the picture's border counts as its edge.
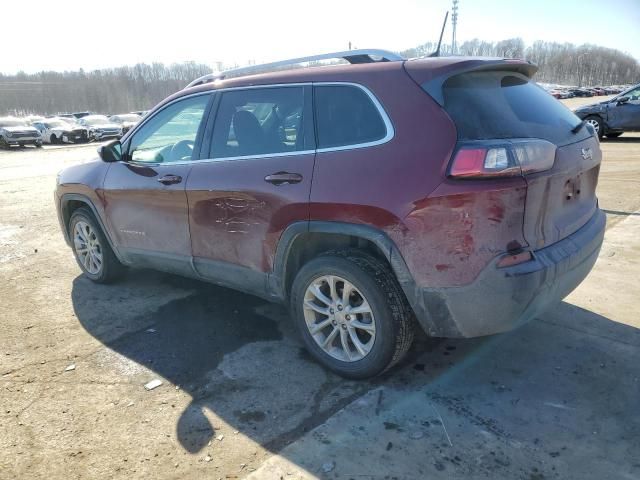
(451, 191)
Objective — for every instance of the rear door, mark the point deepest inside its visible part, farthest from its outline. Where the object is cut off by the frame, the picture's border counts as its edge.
(254, 182)
(145, 200)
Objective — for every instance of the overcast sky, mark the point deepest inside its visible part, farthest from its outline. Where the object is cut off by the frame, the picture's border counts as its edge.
(43, 35)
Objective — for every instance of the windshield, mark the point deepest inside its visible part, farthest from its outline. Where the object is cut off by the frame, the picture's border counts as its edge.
(126, 118)
(95, 120)
(57, 124)
(11, 122)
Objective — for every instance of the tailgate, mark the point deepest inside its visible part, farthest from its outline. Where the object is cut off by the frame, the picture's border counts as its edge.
(563, 199)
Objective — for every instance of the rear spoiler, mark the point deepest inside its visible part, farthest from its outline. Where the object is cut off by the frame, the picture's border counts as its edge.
(432, 79)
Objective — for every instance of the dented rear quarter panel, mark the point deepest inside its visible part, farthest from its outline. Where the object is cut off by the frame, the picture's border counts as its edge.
(447, 231)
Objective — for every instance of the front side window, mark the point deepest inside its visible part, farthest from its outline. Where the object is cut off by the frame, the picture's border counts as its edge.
(171, 134)
(346, 115)
(634, 96)
(259, 122)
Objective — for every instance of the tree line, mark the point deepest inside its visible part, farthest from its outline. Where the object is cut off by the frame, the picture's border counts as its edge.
(561, 63)
(111, 91)
(139, 87)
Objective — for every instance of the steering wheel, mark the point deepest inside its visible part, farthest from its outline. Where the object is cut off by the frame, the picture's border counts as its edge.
(182, 150)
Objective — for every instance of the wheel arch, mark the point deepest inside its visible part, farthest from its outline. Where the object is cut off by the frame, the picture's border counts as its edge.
(302, 241)
(69, 203)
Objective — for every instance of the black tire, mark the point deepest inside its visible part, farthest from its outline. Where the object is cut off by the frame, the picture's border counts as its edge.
(111, 267)
(600, 128)
(393, 317)
(53, 140)
(614, 135)
(38, 145)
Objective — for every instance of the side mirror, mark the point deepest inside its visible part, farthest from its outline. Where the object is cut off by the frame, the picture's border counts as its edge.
(622, 100)
(111, 152)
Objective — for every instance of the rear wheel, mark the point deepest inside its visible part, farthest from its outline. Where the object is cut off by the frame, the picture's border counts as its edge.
(596, 123)
(351, 313)
(91, 248)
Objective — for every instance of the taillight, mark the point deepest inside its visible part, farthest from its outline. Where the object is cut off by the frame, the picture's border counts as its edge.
(495, 158)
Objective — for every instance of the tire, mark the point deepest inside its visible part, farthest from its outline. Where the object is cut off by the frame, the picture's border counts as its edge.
(596, 122)
(53, 140)
(38, 145)
(388, 327)
(614, 135)
(110, 267)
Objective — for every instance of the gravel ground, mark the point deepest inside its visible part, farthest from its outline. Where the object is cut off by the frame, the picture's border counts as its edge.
(239, 396)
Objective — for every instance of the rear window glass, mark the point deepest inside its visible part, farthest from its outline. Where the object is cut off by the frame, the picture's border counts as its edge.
(345, 115)
(486, 105)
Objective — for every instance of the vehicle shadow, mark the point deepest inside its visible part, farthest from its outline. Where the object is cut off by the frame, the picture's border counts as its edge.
(238, 357)
(234, 354)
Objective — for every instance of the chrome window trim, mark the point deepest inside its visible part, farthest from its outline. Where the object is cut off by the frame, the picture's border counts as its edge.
(390, 130)
(381, 111)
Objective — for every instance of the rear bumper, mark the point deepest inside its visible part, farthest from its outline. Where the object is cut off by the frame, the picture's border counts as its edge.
(503, 298)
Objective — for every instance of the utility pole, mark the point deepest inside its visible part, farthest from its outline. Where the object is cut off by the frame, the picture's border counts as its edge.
(454, 22)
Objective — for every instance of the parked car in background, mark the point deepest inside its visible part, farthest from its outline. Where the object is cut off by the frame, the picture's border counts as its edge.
(56, 130)
(450, 193)
(16, 132)
(581, 92)
(615, 116)
(100, 127)
(126, 120)
(66, 116)
(29, 119)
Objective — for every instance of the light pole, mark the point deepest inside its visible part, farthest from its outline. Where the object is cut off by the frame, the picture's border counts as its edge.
(454, 22)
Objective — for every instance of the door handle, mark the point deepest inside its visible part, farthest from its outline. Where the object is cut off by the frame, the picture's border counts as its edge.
(170, 179)
(283, 178)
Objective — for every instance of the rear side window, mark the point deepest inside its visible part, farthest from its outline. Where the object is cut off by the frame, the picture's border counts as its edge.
(345, 116)
(259, 122)
(487, 105)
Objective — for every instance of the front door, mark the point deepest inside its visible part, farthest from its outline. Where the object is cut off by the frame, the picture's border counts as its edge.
(144, 195)
(626, 116)
(255, 182)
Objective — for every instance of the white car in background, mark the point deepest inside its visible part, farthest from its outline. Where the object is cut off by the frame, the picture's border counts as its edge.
(126, 120)
(100, 127)
(56, 130)
(15, 132)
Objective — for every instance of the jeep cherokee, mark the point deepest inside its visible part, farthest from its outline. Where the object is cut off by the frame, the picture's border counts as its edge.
(449, 191)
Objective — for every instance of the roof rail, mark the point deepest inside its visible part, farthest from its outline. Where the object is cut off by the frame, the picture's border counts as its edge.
(351, 56)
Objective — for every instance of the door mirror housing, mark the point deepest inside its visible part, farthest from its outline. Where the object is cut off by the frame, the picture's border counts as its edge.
(622, 100)
(111, 152)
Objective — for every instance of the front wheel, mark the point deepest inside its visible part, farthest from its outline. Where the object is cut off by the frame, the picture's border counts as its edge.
(351, 314)
(596, 123)
(91, 248)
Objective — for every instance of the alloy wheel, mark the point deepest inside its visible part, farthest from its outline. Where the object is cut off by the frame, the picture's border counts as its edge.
(87, 247)
(595, 124)
(339, 318)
